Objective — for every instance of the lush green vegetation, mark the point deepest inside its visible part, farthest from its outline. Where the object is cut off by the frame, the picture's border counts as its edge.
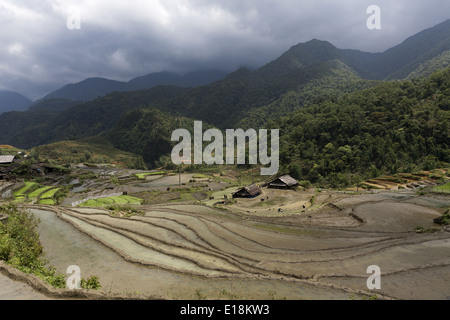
(443, 220)
(147, 132)
(34, 128)
(393, 127)
(341, 81)
(426, 69)
(28, 186)
(20, 247)
(47, 195)
(337, 126)
(124, 210)
(53, 196)
(124, 199)
(39, 191)
(445, 188)
(146, 174)
(8, 150)
(95, 150)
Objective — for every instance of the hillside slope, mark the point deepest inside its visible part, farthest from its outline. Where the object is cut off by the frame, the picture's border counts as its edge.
(13, 101)
(392, 127)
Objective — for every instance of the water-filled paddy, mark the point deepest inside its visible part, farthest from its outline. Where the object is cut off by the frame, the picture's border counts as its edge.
(185, 251)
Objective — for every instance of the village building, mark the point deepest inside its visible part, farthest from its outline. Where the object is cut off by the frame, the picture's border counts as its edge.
(6, 160)
(247, 192)
(283, 182)
(6, 166)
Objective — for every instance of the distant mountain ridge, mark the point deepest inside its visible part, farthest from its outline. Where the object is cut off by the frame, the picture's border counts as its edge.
(310, 71)
(13, 101)
(92, 88)
(393, 64)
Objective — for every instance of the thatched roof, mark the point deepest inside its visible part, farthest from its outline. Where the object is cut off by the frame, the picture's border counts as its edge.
(284, 181)
(248, 191)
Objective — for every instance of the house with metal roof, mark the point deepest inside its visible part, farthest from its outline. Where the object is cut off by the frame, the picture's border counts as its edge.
(6, 159)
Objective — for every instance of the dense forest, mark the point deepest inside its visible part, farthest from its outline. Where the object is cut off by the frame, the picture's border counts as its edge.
(398, 126)
(147, 132)
(335, 141)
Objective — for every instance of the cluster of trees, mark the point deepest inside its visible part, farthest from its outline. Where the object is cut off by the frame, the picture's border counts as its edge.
(393, 127)
(21, 248)
(147, 132)
(339, 82)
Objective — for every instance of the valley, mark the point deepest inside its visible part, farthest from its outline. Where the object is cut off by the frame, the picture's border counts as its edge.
(188, 228)
(361, 159)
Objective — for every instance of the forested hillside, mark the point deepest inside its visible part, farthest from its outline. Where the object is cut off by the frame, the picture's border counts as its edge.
(338, 123)
(392, 127)
(93, 88)
(147, 132)
(13, 101)
(43, 126)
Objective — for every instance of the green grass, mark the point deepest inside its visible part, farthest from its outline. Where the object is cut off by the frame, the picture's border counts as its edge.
(444, 188)
(19, 199)
(132, 200)
(23, 191)
(111, 200)
(32, 190)
(47, 201)
(142, 176)
(200, 176)
(50, 194)
(101, 152)
(37, 192)
(47, 197)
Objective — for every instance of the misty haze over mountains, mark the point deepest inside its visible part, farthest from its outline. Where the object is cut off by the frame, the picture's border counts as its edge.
(93, 88)
(396, 63)
(222, 101)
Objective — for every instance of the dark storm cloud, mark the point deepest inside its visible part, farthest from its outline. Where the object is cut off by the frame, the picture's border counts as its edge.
(124, 39)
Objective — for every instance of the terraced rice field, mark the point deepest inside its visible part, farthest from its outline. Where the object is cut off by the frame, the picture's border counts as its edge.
(443, 188)
(185, 251)
(124, 199)
(31, 193)
(24, 190)
(143, 175)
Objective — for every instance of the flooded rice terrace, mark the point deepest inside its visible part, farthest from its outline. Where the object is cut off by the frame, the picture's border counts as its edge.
(184, 251)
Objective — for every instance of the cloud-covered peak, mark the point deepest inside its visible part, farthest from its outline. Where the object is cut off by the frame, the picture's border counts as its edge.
(48, 43)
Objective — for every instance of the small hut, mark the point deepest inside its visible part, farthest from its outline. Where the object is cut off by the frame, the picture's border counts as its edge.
(284, 182)
(247, 192)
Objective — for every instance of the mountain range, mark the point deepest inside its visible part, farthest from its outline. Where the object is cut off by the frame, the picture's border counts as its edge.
(305, 74)
(93, 88)
(13, 101)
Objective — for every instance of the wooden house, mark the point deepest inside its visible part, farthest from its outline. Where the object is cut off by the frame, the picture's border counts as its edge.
(247, 192)
(283, 182)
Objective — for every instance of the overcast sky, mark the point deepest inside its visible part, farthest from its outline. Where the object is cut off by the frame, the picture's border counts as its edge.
(122, 39)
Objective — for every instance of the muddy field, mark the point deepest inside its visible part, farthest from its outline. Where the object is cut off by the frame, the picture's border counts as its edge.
(192, 243)
(185, 251)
